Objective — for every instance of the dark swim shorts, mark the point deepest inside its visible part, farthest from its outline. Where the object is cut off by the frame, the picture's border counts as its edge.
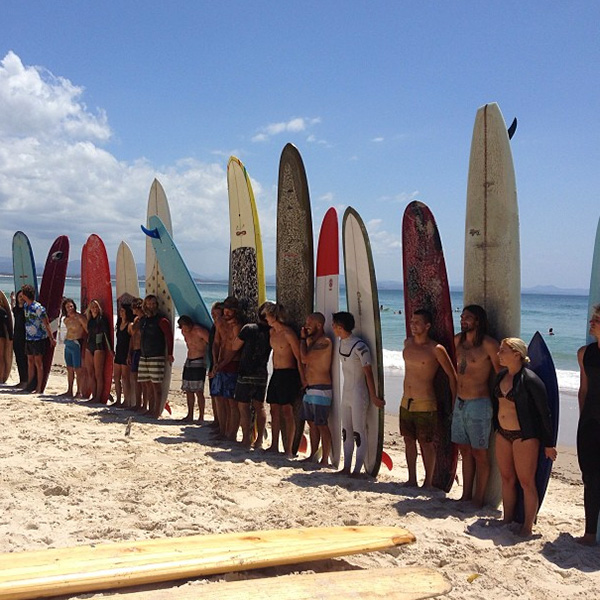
(284, 387)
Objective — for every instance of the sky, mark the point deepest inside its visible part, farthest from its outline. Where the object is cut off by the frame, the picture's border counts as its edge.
(98, 99)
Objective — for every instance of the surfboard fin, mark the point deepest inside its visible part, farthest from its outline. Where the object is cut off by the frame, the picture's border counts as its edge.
(153, 233)
(513, 127)
(386, 459)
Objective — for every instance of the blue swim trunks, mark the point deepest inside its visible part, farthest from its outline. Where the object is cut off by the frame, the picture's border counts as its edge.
(316, 404)
(73, 354)
(223, 384)
(472, 422)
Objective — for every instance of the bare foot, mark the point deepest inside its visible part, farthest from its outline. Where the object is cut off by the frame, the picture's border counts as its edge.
(409, 483)
(187, 419)
(588, 539)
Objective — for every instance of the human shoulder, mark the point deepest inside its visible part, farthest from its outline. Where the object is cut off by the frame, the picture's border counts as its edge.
(490, 344)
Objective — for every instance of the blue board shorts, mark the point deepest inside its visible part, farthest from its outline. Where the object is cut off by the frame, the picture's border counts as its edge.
(223, 385)
(472, 422)
(73, 354)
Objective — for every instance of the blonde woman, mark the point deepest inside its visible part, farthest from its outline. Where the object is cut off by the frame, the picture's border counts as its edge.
(522, 420)
(97, 347)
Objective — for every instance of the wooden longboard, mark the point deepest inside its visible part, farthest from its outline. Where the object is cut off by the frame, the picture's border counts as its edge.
(327, 303)
(23, 263)
(99, 287)
(426, 287)
(492, 275)
(47, 573)
(127, 283)
(246, 269)
(389, 583)
(51, 292)
(155, 281)
(8, 348)
(295, 284)
(363, 302)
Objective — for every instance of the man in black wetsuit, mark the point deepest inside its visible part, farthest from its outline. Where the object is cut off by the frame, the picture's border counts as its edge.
(588, 431)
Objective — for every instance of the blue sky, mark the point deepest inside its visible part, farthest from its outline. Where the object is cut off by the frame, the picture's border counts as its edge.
(96, 99)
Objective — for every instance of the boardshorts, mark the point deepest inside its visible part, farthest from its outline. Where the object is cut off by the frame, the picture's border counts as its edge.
(249, 388)
(36, 347)
(316, 404)
(73, 353)
(194, 374)
(223, 385)
(472, 422)
(284, 387)
(151, 369)
(418, 425)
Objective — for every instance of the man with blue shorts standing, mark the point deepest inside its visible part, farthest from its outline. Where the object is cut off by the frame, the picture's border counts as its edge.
(76, 325)
(476, 358)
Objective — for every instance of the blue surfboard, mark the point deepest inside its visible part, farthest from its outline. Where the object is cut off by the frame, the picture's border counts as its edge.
(186, 296)
(23, 262)
(543, 366)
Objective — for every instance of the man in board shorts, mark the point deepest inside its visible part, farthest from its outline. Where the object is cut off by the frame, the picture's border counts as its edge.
(76, 325)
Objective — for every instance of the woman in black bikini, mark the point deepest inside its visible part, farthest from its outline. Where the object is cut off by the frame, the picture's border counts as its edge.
(522, 420)
(96, 349)
(121, 374)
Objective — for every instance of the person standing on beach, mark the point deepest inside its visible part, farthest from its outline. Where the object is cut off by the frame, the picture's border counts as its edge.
(477, 358)
(194, 369)
(6, 335)
(98, 344)
(423, 357)
(286, 381)
(156, 340)
(316, 351)
(76, 325)
(216, 312)
(358, 391)
(588, 430)
(38, 334)
(226, 365)
(135, 342)
(121, 368)
(19, 338)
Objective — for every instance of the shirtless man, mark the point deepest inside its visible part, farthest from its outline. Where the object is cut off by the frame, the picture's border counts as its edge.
(135, 345)
(287, 379)
(76, 325)
(418, 411)
(477, 357)
(316, 352)
(226, 365)
(194, 370)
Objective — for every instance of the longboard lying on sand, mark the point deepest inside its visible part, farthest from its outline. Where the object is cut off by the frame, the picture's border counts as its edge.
(543, 366)
(492, 275)
(426, 287)
(363, 302)
(389, 583)
(23, 262)
(295, 279)
(46, 573)
(51, 293)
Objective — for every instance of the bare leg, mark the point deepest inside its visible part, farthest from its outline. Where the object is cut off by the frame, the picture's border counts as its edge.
(506, 466)
(261, 422)
(325, 444)
(410, 450)
(234, 419)
(315, 440)
(99, 357)
(482, 470)
(191, 401)
(525, 453)
(39, 372)
(287, 412)
(275, 427)
(429, 456)
(117, 377)
(201, 406)
(468, 471)
(246, 422)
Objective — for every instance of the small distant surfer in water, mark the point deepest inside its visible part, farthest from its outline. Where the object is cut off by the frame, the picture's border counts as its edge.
(316, 351)
(194, 369)
(287, 379)
(38, 334)
(358, 392)
(477, 357)
(76, 325)
(423, 357)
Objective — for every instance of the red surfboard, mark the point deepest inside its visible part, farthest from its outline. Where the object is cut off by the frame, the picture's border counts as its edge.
(51, 292)
(96, 285)
(426, 286)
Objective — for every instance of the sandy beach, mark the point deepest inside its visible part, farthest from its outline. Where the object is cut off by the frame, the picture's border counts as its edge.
(71, 476)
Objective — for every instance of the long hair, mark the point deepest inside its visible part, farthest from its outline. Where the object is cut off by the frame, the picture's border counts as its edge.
(88, 312)
(482, 324)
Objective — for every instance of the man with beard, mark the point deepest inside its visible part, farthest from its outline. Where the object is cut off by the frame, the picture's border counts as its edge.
(156, 338)
(316, 352)
(476, 357)
(423, 357)
(76, 325)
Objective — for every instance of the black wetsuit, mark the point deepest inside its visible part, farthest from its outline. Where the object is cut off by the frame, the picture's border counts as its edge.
(19, 342)
(588, 439)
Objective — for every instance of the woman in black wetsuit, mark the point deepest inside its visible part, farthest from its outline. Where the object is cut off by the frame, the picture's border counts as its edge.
(522, 421)
(97, 346)
(588, 431)
(19, 339)
(121, 372)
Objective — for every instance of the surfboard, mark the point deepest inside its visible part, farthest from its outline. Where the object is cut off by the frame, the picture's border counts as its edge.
(180, 283)
(389, 583)
(426, 287)
(23, 262)
(362, 300)
(492, 275)
(45, 573)
(246, 269)
(96, 274)
(295, 278)
(155, 280)
(594, 293)
(327, 302)
(51, 292)
(127, 283)
(6, 358)
(543, 366)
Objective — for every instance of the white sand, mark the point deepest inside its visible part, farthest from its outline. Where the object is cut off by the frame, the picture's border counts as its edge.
(70, 476)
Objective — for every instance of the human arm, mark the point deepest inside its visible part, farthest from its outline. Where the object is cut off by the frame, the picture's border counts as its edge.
(538, 396)
(446, 364)
(491, 347)
(294, 343)
(165, 327)
(48, 328)
(378, 402)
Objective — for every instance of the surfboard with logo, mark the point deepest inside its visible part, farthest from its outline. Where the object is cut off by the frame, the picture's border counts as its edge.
(60, 571)
(327, 303)
(23, 263)
(426, 287)
(155, 280)
(492, 275)
(295, 278)
(246, 269)
(96, 275)
(363, 302)
(51, 292)
(127, 283)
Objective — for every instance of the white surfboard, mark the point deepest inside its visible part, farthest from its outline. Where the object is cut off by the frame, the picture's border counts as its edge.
(127, 283)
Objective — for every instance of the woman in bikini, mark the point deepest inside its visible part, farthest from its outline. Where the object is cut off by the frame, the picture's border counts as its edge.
(121, 374)
(522, 421)
(97, 346)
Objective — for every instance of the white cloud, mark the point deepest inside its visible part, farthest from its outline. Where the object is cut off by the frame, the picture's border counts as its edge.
(328, 197)
(377, 139)
(295, 125)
